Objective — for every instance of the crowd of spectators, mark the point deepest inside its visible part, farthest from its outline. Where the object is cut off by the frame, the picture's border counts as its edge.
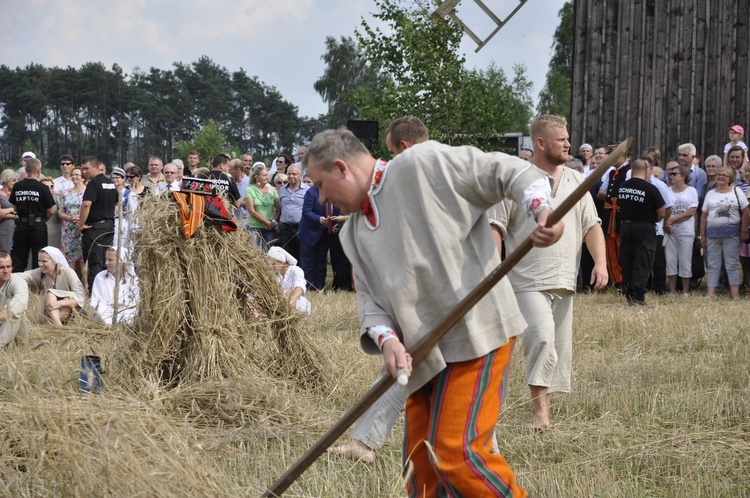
(704, 231)
(62, 235)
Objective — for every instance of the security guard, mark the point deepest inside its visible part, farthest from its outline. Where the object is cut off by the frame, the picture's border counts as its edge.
(34, 205)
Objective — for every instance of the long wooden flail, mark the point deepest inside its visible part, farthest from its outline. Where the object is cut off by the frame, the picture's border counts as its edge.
(430, 340)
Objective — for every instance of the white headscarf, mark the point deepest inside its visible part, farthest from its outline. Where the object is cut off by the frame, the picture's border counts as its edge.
(259, 163)
(280, 254)
(56, 255)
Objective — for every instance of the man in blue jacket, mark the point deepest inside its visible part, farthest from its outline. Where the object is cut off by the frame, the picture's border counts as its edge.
(319, 234)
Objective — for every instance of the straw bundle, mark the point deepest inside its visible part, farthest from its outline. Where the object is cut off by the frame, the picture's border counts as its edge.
(65, 444)
(193, 323)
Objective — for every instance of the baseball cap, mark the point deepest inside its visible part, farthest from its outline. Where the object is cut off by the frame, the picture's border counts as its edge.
(738, 129)
(585, 146)
(31, 154)
(118, 171)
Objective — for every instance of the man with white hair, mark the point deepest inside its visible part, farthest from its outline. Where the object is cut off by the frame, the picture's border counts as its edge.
(180, 169)
(291, 199)
(170, 175)
(685, 155)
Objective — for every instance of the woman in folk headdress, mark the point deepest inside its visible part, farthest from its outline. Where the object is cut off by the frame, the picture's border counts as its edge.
(292, 279)
(61, 289)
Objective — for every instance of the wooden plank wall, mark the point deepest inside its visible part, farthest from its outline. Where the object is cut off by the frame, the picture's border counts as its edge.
(663, 71)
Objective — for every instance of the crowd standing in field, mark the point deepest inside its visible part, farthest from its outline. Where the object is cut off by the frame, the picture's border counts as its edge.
(643, 228)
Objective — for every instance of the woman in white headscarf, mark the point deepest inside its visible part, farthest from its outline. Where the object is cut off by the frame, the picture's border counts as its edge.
(292, 279)
(103, 290)
(62, 291)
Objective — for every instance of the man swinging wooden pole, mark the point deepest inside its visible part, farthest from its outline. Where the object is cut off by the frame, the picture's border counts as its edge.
(417, 221)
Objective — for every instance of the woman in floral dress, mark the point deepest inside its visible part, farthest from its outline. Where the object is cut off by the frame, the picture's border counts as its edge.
(69, 210)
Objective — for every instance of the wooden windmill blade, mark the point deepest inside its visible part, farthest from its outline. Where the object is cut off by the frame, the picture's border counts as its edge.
(447, 9)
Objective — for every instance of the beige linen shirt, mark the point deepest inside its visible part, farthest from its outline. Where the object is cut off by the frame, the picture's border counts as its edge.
(14, 296)
(431, 245)
(556, 266)
(66, 284)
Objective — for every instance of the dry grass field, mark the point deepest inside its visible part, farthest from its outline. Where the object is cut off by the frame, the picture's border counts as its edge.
(660, 407)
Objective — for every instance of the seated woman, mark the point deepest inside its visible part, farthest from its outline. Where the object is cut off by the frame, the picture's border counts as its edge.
(103, 290)
(62, 290)
(292, 279)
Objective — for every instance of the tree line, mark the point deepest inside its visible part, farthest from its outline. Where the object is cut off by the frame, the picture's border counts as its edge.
(409, 63)
(123, 117)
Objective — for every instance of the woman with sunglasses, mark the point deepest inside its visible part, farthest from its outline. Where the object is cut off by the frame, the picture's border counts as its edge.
(134, 177)
(723, 222)
(680, 228)
(122, 223)
(280, 180)
(70, 237)
(280, 166)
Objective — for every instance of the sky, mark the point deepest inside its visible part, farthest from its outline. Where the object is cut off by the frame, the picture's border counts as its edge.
(279, 41)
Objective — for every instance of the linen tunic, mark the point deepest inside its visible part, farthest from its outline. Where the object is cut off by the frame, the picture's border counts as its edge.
(103, 297)
(14, 296)
(431, 245)
(67, 284)
(556, 266)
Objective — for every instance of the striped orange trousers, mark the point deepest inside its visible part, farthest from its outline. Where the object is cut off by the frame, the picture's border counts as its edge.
(448, 433)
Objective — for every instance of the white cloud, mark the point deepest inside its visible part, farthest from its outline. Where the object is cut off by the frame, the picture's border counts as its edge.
(280, 41)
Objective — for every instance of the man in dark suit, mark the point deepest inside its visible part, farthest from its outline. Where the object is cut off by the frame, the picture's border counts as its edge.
(319, 234)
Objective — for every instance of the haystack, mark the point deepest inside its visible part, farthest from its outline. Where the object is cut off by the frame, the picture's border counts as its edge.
(211, 311)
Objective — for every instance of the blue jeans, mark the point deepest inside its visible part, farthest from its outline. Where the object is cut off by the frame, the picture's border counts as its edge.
(262, 237)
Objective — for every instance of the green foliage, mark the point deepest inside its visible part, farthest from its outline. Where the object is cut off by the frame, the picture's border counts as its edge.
(209, 141)
(555, 97)
(346, 70)
(426, 77)
(118, 117)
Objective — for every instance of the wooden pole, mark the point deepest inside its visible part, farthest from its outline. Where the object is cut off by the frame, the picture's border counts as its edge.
(118, 268)
(430, 340)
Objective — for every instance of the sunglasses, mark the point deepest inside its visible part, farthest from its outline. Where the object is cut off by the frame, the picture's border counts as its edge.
(130, 177)
(281, 183)
(673, 174)
(65, 163)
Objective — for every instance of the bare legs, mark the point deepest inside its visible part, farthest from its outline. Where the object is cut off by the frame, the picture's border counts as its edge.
(56, 309)
(540, 402)
(673, 284)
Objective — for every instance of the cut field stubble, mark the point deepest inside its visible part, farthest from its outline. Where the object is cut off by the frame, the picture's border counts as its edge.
(659, 407)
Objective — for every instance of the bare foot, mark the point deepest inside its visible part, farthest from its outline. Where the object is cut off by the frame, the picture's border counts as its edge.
(355, 450)
(540, 401)
(540, 422)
